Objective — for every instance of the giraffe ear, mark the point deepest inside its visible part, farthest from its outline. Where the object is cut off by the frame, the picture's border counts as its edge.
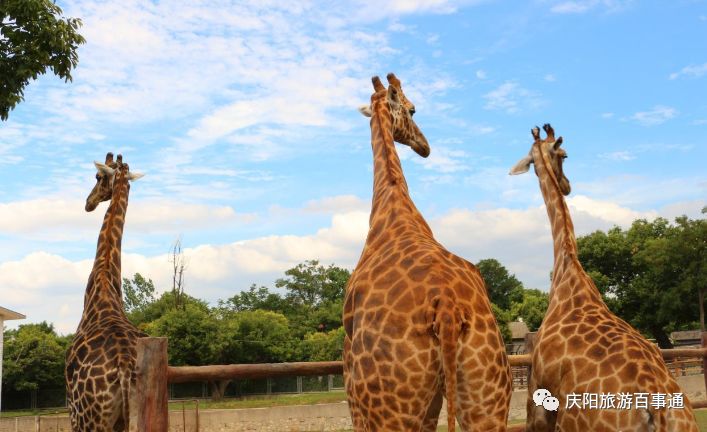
(522, 166)
(104, 169)
(132, 176)
(365, 110)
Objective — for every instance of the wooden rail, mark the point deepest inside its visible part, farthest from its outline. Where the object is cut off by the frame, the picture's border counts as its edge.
(153, 376)
(182, 374)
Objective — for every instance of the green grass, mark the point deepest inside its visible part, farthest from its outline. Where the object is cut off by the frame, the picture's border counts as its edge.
(701, 415)
(265, 401)
(37, 412)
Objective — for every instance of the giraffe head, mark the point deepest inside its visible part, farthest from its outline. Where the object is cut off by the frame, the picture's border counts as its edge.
(548, 152)
(105, 176)
(405, 131)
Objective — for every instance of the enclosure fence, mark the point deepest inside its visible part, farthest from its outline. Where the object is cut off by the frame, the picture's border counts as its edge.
(154, 375)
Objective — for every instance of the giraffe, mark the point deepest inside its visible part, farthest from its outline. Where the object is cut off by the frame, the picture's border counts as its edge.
(417, 319)
(582, 347)
(101, 359)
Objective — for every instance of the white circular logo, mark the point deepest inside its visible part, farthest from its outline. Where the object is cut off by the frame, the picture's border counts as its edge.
(539, 396)
(551, 403)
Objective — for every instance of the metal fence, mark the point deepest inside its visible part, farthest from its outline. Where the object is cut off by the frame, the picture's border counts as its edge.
(56, 398)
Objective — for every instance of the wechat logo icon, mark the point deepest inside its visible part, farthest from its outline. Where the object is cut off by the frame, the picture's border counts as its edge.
(546, 399)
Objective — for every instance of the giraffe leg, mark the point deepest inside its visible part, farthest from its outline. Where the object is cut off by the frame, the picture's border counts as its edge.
(536, 416)
(357, 420)
(483, 388)
(432, 415)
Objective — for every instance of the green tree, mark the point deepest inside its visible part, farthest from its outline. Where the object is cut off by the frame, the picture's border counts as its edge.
(311, 284)
(503, 317)
(313, 296)
(532, 308)
(503, 287)
(34, 37)
(253, 337)
(33, 357)
(142, 317)
(193, 334)
(255, 298)
(321, 346)
(137, 293)
(652, 275)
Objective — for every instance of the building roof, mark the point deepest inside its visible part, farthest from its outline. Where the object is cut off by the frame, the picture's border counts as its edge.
(7, 314)
(518, 329)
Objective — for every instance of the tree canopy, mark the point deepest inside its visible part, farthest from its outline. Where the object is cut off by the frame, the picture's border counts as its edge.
(34, 37)
(503, 288)
(34, 357)
(653, 274)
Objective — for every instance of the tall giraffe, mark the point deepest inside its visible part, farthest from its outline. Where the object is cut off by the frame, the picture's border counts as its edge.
(101, 359)
(582, 347)
(418, 321)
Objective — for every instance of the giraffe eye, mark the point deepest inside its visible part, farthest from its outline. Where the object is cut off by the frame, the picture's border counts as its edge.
(98, 177)
(412, 111)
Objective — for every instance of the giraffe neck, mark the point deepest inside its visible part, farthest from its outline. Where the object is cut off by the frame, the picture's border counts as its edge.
(103, 294)
(391, 198)
(566, 261)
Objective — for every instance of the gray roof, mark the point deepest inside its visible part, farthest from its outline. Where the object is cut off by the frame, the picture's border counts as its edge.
(7, 314)
(518, 329)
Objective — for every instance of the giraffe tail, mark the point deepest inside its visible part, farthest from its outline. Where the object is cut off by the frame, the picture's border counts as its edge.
(447, 327)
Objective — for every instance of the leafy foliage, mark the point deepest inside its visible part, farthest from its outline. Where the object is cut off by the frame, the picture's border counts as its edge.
(193, 334)
(503, 288)
(327, 346)
(34, 357)
(137, 293)
(532, 308)
(653, 274)
(33, 38)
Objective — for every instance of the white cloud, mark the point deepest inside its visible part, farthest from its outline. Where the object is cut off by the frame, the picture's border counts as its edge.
(550, 78)
(442, 159)
(481, 74)
(691, 71)
(511, 98)
(658, 115)
(214, 271)
(337, 204)
(245, 68)
(394, 8)
(644, 190)
(63, 220)
(519, 238)
(618, 156)
(607, 115)
(583, 6)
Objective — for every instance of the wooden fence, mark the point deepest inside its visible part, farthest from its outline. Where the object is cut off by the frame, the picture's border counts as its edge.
(154, 375)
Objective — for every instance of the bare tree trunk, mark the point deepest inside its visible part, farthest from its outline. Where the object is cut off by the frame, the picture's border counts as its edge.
(178, 267)
(218, 388)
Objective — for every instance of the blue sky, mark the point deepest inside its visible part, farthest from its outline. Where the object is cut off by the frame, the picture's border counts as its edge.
(243, 117)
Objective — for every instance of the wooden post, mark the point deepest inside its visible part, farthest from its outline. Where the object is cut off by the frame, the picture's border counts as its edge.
(151, 385)
(704, 358)
(530, 339)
